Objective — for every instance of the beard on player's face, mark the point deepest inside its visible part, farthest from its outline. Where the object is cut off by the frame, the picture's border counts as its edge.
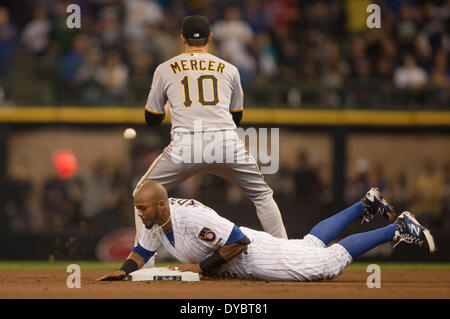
(152, 216)
(148, 226)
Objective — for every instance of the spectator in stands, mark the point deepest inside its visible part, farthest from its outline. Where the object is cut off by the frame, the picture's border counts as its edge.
(423, 52)
(139, 14)
(412, 79)
(401, 192)
(379, 179)
(318, 18)
(100, 198)
(36, 34)
(410, 75)
(109, 27)
(334, 68)
(74, 58)
(17, 206)
(279, 40)
(282, 16)
(59, 32)
(440, 77)
(407, 26)
(435, 24)
(70, 63)
(289, 63)
(254, 14)
(142, 67)
(87, 78)
(357, 186)
(160, 42)
(234, 37)
(266, 56)
(9, 36)
(356, 54)
(307, 184)
(61, 204)
(48, 73)
(383, 69)
(428, 194)
(113, 76)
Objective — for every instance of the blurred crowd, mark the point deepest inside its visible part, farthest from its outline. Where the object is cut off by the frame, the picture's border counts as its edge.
(425, 193)
(324, 44)
(91, 202)
(100, 201)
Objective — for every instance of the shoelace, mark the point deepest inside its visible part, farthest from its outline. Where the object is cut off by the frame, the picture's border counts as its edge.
(409, 239)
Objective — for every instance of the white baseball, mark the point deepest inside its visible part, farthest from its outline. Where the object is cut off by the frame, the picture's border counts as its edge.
(129, 134)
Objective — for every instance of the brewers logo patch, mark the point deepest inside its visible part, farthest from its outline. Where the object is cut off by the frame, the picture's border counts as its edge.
(207, 234)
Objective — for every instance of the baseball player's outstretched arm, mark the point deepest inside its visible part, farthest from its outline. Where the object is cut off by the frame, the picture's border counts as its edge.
(132, 263)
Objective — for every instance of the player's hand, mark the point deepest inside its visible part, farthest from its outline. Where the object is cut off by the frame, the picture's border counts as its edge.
(186, 267)
(116, 275)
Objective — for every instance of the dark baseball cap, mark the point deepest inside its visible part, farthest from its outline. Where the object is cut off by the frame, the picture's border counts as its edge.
(195, 27)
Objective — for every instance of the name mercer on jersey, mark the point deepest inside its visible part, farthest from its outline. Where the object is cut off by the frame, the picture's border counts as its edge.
(197, 65)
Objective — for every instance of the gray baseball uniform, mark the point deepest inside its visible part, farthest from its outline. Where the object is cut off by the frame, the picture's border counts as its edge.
(198, 86)
(201, 90)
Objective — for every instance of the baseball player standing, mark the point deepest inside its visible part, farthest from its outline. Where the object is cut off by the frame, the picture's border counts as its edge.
(204, 94)
(205, 242)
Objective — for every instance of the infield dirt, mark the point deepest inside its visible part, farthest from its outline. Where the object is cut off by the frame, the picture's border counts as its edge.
(51, 284)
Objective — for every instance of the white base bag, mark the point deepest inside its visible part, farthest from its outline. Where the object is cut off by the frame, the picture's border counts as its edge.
(161, 273)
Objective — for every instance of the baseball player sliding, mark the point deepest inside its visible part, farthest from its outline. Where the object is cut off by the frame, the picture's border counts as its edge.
(204, 94)
(205, 242)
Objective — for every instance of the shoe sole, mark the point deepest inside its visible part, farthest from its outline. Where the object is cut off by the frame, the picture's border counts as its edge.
(426, 232)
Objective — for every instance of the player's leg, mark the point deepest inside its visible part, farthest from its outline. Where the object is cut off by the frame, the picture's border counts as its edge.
(168, 173)
(254, 186)
(405, 229)
(245, 173)
(338, 256)
(373, 203)
(168, 170)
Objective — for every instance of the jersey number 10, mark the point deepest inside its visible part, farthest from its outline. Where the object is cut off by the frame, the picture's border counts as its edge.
(201, 93)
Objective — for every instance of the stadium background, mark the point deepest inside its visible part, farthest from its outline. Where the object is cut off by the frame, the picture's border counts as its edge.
(355, 107)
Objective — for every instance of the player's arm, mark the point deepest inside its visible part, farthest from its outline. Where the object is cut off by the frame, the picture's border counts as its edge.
(223, 254)
(236, 244)
(135, 261)
(153, 119)
(156, 100)
(237, 116)
(237, 99)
